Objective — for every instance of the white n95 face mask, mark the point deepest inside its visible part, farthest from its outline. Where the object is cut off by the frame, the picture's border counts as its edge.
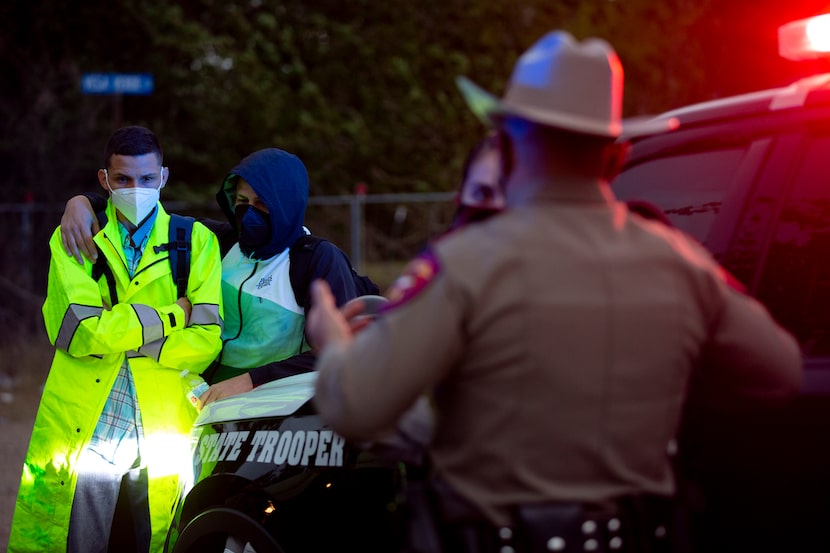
(134, 203)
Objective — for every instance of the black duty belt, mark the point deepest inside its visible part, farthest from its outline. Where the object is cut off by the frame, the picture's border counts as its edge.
(629, 524)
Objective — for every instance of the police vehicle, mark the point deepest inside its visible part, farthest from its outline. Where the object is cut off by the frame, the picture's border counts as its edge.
(271, 477)
(749, 177)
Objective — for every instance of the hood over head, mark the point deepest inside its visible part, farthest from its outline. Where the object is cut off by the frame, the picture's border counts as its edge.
(280, 180)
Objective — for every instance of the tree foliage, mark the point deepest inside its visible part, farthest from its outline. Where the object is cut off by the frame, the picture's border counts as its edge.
(362, 91)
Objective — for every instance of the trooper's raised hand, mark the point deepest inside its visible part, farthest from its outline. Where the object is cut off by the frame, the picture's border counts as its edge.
(326, 324)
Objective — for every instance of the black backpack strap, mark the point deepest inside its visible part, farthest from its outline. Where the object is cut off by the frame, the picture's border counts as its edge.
(179, 248)
(302, 252)
(299, 272)
(101, 267)
(181, 273)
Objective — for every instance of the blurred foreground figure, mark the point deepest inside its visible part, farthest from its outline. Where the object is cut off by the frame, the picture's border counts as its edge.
(481, 193)
(557, 338)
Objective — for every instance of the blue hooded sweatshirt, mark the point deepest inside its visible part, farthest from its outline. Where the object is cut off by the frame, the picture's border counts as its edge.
(281, 181)
(264, 319)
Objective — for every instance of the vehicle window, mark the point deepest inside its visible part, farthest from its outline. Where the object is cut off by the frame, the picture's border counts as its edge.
(690, 187)
(795, 279)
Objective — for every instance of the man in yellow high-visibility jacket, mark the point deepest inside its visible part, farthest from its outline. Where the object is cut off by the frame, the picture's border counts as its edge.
(113, 423)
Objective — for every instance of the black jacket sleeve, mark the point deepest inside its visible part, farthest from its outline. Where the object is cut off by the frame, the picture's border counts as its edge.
(301, 363)
(97, 201)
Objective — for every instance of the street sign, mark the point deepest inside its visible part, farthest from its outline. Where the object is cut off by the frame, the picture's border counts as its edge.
(117, 83)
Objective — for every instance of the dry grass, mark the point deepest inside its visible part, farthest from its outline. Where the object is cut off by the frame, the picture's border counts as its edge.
(383, 274)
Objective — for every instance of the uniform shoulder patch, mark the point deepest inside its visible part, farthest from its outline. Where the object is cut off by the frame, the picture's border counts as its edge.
(416, 276)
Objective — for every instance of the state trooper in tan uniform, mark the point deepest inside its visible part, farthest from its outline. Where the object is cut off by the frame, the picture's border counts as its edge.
(557, 338)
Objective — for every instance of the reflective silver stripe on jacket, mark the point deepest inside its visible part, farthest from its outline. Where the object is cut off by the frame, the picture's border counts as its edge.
(205, 314)
(201, 314)
(71, 320)
(153, 349)
(151, 324)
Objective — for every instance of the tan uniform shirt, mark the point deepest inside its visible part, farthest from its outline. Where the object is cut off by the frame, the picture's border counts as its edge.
(561, 336)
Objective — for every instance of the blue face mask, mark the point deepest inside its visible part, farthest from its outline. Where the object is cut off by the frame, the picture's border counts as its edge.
(254, 229)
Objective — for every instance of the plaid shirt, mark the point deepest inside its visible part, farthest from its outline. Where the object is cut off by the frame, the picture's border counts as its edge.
(121, 418)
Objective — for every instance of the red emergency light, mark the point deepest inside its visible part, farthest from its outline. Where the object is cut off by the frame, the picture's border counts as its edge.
(805, 39)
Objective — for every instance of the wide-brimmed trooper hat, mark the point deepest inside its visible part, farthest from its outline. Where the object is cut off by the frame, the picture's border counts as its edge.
(565, 84)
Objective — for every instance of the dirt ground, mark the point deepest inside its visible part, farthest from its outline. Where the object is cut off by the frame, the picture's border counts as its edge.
(12, 451)
(23, 369)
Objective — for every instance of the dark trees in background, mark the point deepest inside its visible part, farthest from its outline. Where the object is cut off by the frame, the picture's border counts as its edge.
(363, 91)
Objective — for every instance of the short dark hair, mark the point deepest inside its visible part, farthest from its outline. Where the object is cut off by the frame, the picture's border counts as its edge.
(132, 141)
